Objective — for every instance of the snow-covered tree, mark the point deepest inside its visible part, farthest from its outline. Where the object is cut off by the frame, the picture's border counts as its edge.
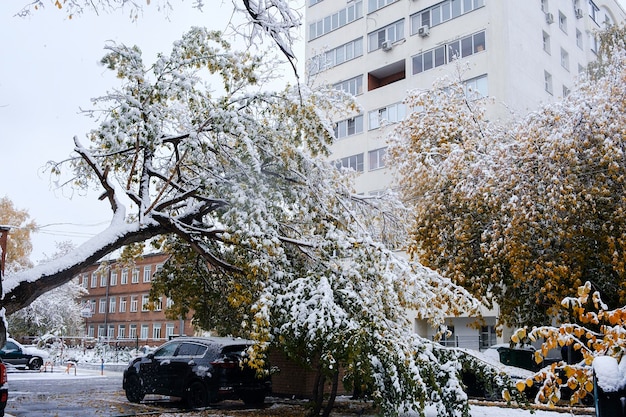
(56, 312)
(241, 177)
(598, 332)
(520, 214)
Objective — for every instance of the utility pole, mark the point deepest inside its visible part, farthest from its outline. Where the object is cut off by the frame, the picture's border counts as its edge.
(4, 233)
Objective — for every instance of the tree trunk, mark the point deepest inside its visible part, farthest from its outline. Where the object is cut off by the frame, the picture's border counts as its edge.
(333, 394)
(318, 393)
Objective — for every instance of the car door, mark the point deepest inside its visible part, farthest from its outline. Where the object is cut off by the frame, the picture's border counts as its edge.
(186, 365)
(154, 369)
(12, 353)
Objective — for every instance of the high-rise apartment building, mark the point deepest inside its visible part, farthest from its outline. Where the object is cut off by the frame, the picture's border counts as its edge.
(521, 52)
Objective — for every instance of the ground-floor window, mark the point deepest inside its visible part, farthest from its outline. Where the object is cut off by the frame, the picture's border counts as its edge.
(488, 336)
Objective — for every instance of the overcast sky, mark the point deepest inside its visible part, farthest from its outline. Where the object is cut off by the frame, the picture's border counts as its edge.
(49, 70)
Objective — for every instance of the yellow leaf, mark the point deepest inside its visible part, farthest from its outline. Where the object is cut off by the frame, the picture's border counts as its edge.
(506, 395)
(538, 357)
(521, 386)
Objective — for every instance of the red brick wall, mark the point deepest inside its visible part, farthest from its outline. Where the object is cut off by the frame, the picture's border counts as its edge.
(127, 318)
(294, 380)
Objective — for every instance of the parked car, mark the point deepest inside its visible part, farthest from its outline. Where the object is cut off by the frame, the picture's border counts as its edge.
(14, 353)
(4, 390)
(199, 370)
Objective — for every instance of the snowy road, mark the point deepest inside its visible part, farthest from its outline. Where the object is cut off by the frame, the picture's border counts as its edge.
(88, 393)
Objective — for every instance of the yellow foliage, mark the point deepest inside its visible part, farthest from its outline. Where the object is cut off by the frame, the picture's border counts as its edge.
(506, 395)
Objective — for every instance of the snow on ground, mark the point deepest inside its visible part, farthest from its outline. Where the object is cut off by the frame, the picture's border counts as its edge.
(482, 411)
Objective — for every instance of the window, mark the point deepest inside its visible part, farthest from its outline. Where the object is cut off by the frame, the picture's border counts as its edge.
(122, 304)
(121, 331)
(85, 281)
(336, 56)
(144, 331)
(566, 91)
(101, 331)
(581, 69)
(341, 18)
(443, 12)
(352, 86)
(349, 127)
(562, 22)
(564, 59)
(476, 88)
(547, 77)
(579, 39)
(111, 304)
(546, 42)
(314, 2)
(145, 302)
(94, 280)
(191, 349)
(111, 331)
(392, 33)
(447, 337)
(113, 278)
(91, 331)
(377, 158)
(124, 279)
(158, 305)
(132, 331)
(169, 330)
(594, 44)
(594, 11)
(135, 277)
(169, 302)
(102, 307)
(133, 303)
(147, 273)
(103, 279)
(544, 6)
(156, 331)
(444, 54)
(354, 162)
(487, 336)
(92, 304)
(374, 5)
(391, 114)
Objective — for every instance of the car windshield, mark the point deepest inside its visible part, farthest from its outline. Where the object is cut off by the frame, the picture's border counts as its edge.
(10, 347)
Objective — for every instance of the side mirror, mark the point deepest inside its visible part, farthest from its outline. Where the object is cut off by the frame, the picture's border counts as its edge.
(150, 355)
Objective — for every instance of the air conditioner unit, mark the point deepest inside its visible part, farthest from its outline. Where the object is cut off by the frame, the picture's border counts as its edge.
(423, 31)
(578, 13)
(549, 18)
(387, 45)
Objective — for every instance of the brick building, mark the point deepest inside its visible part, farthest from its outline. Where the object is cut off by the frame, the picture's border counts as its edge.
(116, 308)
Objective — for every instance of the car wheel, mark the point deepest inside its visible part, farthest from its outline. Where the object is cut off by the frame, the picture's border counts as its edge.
(253, 397)
(196, 395)
(35, 364)
(134, 390)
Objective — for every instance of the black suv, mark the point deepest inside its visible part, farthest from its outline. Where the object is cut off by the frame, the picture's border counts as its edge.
(4, 390)
(200, 370)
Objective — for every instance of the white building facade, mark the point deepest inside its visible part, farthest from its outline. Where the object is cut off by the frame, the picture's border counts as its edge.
(521, 52)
